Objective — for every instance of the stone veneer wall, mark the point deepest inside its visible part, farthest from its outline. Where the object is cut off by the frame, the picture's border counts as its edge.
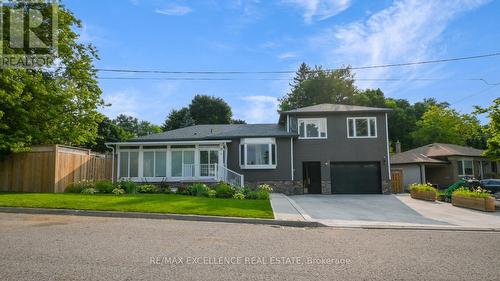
(286, 187)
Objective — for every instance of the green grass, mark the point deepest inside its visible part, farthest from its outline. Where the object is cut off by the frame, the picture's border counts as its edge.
(148, 203)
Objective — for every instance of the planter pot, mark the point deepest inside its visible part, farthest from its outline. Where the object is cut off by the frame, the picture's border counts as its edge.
(423, 195)
(481, 204)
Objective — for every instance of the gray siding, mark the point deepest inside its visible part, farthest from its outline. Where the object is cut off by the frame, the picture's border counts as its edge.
(283, 164)
(411, 174)
(339, 148)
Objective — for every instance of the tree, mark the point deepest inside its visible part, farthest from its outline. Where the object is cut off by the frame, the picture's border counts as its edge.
(134, 127)
(238, 121)
(210, 110)
(178, 119)
(311, 87)
(493, 129)
(55, 104)
(447, 126)
(108, 132)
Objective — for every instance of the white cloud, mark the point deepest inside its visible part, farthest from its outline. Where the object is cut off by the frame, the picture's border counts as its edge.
(174, 10)
(287, 55)
(408, 30)
(319, 9)
(122, 102)
(260, 109)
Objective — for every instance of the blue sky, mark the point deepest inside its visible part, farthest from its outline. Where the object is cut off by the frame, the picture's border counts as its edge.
(258, 35)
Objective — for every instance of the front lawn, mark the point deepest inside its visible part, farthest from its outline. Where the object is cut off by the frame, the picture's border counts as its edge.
(147, 203)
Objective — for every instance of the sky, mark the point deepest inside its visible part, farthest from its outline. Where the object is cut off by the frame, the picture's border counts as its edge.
(259, 35)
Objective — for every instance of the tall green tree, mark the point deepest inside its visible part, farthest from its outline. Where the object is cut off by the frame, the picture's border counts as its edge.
(311, 87)
(492, 129)
(210, 110)
(55, 104)
(108, 132)
(135, 128)
(178, 119)
(448, 126)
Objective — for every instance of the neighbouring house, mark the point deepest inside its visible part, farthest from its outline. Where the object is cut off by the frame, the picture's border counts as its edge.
(322, 149)
(443, 164)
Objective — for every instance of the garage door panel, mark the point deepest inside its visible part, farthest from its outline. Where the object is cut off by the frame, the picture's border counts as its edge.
(355, 177)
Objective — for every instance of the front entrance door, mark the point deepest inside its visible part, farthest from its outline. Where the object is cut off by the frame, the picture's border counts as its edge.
(311, 177)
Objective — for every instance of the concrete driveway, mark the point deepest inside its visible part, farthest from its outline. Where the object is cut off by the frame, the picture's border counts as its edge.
(388, 210)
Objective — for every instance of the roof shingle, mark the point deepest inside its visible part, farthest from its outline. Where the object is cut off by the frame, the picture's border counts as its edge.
(217, 132)
(427, 153)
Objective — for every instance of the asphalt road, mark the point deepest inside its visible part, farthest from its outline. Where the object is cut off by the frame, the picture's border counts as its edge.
(42, 247)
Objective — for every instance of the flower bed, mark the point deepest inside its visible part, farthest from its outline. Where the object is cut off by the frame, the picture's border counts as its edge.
(473, 199)
(423, 192)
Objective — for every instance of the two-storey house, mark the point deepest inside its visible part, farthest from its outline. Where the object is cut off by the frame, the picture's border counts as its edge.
(320, 149)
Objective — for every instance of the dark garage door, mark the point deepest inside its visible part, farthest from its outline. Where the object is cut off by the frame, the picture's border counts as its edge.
(355, 177)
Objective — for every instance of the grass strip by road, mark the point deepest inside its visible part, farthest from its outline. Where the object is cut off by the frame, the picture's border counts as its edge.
(147, 203)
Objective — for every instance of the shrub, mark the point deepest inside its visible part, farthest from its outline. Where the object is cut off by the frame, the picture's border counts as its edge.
(89, 190)
(423, 188)
(164, 189)
(224, 190)
(104, 186)
(476, 193)
(118, 191)
(182, 190)
(129, 186)
(198, 189)
(239, 196)
(263, 195)
(265, 187)
(77, 187)
(252, 195)
(147, 188)
(211, 193)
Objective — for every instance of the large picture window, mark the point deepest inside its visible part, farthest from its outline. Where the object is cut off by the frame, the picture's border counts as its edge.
(465, 168)
(259, 153)
(362, 127)
(129, 164)
(314, 128)
(155, 164)
(183, 163)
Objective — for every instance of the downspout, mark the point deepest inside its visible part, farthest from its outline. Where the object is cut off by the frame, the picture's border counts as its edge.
(112, 162)
(291, 156)
(387, 140)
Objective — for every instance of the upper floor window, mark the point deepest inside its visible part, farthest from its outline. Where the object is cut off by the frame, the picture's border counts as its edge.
(362, 127)
(258, 153)
(313, 128)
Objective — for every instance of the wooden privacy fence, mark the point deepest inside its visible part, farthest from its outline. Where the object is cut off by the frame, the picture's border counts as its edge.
(52, 168)
(397, 181)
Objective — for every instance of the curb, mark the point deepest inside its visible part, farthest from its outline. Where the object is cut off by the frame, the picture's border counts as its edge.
(137, 215)
(436, 228)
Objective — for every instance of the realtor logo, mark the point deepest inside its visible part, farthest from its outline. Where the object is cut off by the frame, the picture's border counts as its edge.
(28, 30)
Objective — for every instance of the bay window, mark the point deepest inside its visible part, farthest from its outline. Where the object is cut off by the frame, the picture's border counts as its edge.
(312, 128)
(258, 153)
(362, 127)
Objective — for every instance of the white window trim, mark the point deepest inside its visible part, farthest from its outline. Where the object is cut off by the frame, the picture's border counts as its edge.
(369, 128)
(463, 167)
(305, 120)
(269, 142)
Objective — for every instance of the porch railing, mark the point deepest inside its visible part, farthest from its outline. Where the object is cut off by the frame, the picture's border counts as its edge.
(212, 171)
(230, 177)
(199, 171)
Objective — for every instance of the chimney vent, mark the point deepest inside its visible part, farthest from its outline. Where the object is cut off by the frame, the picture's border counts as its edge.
(398, 147)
